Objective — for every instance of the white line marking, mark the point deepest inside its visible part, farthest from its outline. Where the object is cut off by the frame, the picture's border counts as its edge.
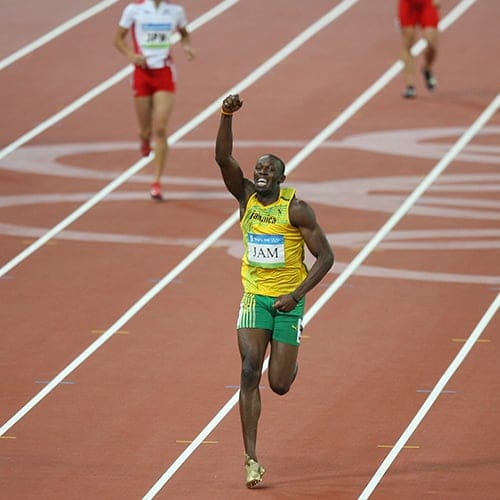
(62, 28)
(188, 127)
(431, 399)
(455, 13)
(342, 278)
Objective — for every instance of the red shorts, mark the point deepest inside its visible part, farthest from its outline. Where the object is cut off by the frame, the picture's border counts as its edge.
(418, 12)
(146, 82)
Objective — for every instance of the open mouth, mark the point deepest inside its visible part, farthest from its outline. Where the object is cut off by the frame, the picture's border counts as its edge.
(261, 182)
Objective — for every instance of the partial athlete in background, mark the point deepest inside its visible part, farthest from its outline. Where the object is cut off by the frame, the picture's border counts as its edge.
(152, 24)
(423, 14)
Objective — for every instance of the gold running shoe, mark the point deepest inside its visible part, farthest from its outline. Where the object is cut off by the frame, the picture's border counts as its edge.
(255, 471)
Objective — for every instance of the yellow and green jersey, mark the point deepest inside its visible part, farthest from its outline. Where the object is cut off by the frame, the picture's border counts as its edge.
(273, 262)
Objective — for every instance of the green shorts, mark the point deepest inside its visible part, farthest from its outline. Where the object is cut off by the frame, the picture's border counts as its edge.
(257, 311)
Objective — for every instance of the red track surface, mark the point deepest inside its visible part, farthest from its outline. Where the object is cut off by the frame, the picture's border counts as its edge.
(368, 356)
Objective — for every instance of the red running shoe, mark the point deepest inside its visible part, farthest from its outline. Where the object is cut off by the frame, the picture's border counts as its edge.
(156, 191)
(145, 147)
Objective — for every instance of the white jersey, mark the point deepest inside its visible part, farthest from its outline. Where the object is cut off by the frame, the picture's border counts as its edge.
(152, 29)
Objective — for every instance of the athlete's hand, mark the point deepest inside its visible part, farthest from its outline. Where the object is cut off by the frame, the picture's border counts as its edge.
(190, 52)
(232, 103)
(139, 60)
(284, 303)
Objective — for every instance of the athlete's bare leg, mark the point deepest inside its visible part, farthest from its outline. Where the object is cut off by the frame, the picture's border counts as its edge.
(252, 344)
(282, 366)
(407, 40)
(163, 104)
(431, 36)
(144, 111)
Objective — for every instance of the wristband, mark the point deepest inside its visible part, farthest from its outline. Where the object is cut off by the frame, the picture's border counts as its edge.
(294, 298)
(225, 113)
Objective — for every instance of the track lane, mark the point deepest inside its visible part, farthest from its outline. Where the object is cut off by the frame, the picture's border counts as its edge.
(237, 482)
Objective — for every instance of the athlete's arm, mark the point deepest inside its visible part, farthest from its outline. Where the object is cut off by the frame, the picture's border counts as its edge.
(122, 46)
(186, 43)
(240, 187)
(303, 217)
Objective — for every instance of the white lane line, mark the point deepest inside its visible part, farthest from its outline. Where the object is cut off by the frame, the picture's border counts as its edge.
(102, 87)
(455, 13)
(348, 271)
(264, 68)
(431, 399)
(62, 28)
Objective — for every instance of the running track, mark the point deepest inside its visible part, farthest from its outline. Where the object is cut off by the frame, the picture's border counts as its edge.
(119, 366)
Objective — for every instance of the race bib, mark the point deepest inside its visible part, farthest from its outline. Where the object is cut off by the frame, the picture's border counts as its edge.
(266, 250)
(156, 36)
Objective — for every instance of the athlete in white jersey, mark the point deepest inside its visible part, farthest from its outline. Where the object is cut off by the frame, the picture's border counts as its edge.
(152, 24)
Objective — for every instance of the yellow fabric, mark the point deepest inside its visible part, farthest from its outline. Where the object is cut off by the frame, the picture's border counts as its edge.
(273, 262)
